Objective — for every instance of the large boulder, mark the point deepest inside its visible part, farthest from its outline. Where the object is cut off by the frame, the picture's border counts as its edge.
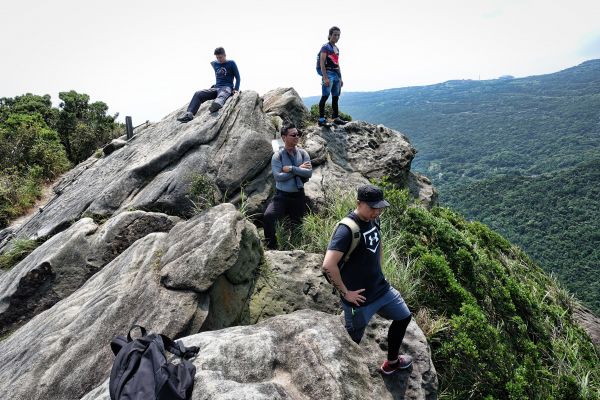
(291, 281)
(64, 352)
(303, 355)
(156, 168)
(63, 263)
(349, 156)
(286, 104)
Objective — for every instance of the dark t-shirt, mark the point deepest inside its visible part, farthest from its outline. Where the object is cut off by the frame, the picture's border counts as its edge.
(332, 59)
(363, 269)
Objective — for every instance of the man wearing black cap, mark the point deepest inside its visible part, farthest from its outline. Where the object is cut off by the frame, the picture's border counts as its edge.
(360, 281)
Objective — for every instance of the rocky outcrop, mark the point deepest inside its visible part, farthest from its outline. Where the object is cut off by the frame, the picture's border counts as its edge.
(63, 352)
(303, 355)
(350, 155)
(154, 171)
(291, 281)
(64, 263)
(116, 254)
(286, 104)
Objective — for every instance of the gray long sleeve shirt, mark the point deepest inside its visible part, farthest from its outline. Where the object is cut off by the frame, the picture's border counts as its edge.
(290, 181)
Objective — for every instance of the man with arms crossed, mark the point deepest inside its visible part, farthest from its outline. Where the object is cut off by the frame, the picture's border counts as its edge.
(360, 281)
(291, 166)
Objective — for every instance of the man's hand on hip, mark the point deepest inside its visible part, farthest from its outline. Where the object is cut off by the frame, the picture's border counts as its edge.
(355, 297)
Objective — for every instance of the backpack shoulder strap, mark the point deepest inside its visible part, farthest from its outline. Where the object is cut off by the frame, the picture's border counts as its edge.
(177, 348)
(353, 226)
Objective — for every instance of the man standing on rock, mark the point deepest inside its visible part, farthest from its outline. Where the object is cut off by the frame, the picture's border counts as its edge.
(328, 66)
(291, 168)
(225, 72)
(360, 281)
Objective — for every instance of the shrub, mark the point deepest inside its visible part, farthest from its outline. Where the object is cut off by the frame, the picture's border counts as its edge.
(202, 193)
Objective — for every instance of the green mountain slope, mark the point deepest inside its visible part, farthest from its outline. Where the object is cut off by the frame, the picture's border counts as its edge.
(555, 217)
(480, 140)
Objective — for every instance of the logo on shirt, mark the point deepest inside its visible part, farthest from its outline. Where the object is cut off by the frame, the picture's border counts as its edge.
(222, 71)
(371, 238)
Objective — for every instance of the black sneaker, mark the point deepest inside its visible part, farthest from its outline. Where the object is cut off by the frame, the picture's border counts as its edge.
(339, 121)
(323, 122)
(215, 107)
(187, 117)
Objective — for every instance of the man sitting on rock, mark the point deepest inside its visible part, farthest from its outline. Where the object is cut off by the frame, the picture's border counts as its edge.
(225, 71)
(291, 167)
(360, 281)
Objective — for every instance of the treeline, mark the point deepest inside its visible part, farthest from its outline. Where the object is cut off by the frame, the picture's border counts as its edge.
(38, 142)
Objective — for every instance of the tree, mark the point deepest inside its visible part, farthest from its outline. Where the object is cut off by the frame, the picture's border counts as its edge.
(83, 127)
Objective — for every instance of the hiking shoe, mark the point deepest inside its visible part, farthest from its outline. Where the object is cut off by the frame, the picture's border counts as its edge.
(187, 117)
(323, 122)
(215, 107)
(339, 121)
(404, 362)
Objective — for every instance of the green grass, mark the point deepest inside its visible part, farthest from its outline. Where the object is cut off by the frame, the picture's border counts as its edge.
(20, 249)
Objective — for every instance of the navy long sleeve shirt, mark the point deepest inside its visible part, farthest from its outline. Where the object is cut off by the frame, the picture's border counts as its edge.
(224, 73)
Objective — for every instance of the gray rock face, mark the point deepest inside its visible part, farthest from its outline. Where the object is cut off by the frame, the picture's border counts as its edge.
(420, 188)
(63, 353)
(286, 104)
(51, 272)
(155, 169)
(63, 263)
(348, 156)
(303, 355)
(292, 281)
(589, 322)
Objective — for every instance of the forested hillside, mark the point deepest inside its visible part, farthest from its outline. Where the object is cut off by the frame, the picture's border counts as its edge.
(38, 142)
(476, 138)
(554, 216)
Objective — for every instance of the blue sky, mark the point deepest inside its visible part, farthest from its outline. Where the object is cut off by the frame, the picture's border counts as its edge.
(146, 58)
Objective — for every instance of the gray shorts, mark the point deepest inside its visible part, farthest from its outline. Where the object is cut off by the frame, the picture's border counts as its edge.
(389, 306)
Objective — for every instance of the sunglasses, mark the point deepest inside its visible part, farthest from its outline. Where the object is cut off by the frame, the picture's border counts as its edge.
(299, 134)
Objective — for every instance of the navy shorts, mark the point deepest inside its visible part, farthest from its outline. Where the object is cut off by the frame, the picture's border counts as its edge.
(390, 306)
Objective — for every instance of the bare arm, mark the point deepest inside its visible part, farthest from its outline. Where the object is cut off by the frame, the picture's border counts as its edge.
(322, 58)
(330, 268)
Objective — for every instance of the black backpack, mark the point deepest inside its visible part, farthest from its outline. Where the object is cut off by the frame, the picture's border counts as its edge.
(141, 371)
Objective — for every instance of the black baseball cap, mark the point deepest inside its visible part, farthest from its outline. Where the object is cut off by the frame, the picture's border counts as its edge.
(373, 196)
